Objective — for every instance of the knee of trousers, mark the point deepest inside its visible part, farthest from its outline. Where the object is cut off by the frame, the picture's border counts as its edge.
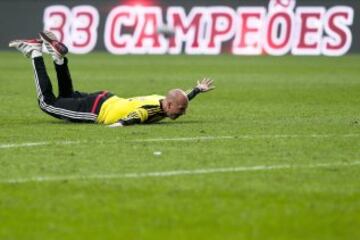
(46, 109)
(52, 114)
(45, 105)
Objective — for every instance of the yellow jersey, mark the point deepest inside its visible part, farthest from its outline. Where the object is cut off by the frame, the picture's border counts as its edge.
(146, 109)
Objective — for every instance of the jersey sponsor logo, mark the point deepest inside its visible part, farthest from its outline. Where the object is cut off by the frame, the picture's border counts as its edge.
(278, 29)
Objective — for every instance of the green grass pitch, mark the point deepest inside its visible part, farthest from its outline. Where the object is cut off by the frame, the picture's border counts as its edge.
(292, 124)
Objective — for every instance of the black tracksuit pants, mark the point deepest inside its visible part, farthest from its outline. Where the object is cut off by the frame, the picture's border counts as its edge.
(69, 105)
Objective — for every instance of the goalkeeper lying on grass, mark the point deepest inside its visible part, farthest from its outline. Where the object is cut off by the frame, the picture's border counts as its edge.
(101, 107)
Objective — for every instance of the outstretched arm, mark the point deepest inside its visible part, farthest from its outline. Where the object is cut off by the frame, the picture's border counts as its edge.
(204, 85)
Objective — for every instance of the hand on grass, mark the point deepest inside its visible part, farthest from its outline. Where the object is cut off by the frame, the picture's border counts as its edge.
(205, 85)
(117, 124)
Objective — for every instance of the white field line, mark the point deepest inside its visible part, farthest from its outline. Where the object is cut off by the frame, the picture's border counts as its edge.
(174, 172)
(180, 139)
(34, 144)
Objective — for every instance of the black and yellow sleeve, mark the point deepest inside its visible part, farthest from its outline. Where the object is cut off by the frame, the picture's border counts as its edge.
(140, 115)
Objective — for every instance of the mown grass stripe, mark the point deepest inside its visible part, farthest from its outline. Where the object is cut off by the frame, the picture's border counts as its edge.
(180, 139)
(174, 172)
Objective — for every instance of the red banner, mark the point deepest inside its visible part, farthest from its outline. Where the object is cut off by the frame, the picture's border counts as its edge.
(278, 29)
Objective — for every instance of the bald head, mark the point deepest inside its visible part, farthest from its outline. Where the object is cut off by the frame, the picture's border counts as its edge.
(177, 96)
(175, 103)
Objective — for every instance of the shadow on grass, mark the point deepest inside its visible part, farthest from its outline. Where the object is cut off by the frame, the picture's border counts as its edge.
(50, 122)
(174, 122)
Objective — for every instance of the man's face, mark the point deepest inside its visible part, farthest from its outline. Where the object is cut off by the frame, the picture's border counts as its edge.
(176, 110)
(175, 103)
